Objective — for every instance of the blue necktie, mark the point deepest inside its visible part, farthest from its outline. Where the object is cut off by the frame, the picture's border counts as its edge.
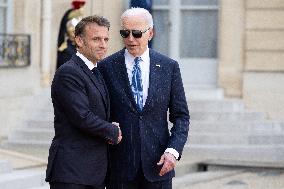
(137, 87)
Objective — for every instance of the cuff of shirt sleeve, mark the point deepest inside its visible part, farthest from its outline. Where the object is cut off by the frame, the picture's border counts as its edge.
(173, 152)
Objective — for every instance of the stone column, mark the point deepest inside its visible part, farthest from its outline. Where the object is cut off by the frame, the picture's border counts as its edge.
(112, 10)
(231, 46)
(45, 42)
(174, 14)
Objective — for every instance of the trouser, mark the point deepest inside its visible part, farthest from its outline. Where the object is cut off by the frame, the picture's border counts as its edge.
(140, 182)
(61, 185)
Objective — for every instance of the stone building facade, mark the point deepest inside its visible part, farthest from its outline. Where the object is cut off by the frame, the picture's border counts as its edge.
(247, 60)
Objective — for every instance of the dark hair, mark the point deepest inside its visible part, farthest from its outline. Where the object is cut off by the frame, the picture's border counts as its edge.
(100, 20)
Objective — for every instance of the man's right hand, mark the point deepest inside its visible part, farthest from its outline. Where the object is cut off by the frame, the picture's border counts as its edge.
(119, 133)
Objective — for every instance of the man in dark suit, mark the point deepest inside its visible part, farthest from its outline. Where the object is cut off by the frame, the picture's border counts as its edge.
(143, 86)
(78, 153)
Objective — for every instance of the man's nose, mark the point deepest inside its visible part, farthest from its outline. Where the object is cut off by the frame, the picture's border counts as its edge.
(103, 43)
(130, 37)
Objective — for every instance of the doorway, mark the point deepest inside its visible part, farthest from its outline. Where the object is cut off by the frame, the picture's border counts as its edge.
(187, 31)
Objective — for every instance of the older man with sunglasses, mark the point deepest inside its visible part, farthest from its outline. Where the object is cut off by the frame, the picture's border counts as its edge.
(143, 86)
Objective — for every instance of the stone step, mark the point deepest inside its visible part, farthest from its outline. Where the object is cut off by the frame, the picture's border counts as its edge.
(25, 155)
(235, 138)
(185, 181)
(216, 105)
(22, 179)
(33, 124)
(30, 143)
(43, 111)
(227, 164)
(45, 186)
(186, 166)
(5, 167)
(227, 116)
(28, 134)
(258, 153)
(40, 116)
(35, 132)
(237, 127)
(40, 104)
(203, 94)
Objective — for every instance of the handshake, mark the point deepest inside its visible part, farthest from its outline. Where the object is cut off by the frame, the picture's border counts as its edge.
(119, 134)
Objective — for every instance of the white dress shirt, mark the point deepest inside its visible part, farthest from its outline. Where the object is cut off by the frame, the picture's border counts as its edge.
(145, 73)
(145, 70)
(86, 61)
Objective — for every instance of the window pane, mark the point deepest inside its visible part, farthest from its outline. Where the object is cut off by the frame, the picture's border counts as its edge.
(14, 50)
(199, 34)
(160, 2)
(161, 33)
(2, 20)
(199, 2)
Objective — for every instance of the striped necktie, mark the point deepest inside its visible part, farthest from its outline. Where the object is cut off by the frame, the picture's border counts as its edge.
(136, 86)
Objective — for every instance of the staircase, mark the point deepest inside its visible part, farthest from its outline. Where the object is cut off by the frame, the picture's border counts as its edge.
(37, 128)
(223, 130)
(225, 141)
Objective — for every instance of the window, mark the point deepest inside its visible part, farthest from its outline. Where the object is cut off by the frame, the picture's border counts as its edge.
(14, 50)
(5, 16)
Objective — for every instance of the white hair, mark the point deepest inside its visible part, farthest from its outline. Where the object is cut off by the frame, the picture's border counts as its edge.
(136, 11)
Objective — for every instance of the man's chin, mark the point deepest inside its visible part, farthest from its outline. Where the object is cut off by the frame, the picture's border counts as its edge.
(132, 51)
(100, 57)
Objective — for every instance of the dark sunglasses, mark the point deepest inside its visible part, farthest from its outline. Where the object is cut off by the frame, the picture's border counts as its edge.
(135, 33)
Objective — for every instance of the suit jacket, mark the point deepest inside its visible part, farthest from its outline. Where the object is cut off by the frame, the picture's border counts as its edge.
(145, 133)
(78, 153)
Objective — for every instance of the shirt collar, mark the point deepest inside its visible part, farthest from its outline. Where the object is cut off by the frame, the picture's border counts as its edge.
(86, 61)
(145, 56)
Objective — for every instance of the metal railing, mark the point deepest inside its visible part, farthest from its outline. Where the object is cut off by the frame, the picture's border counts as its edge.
(15, 50)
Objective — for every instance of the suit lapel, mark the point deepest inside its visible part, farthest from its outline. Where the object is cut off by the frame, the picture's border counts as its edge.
(120, 67)
(154, 79)
(98, 84)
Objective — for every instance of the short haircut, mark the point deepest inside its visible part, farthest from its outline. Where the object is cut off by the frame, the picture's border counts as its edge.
(100, 20)
(135, 11)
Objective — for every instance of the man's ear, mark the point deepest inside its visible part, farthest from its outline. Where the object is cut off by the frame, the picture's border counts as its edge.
(151, 34)
(79, 41)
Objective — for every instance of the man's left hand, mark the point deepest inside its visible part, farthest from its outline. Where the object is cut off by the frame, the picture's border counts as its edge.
(168, 161)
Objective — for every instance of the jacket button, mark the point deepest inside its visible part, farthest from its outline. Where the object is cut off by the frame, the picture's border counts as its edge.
(140, 117)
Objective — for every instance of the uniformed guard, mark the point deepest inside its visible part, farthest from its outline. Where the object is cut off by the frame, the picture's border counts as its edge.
(65, 43)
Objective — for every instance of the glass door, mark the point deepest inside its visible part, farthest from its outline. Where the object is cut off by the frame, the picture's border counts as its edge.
(187, 31)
